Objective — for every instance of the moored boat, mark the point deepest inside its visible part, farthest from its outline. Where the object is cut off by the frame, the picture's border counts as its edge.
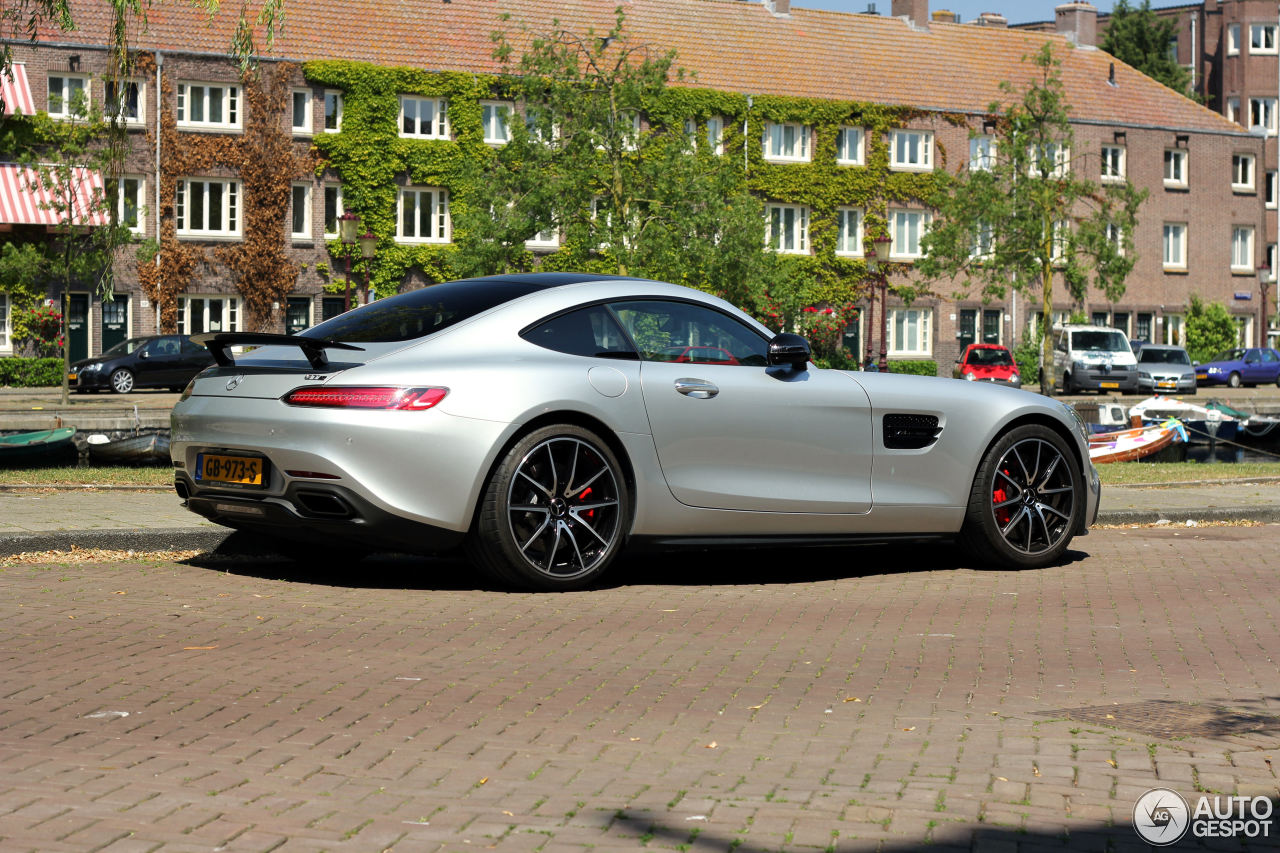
(147, 449)
(36, 448)
(1128, 445)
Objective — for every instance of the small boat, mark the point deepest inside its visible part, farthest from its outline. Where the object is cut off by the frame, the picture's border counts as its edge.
(36, 448)
(1203, 423)
(1127, 445)
(1260, 428)
(148, 449)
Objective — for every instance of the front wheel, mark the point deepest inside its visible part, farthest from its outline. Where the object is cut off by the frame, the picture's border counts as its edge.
(122, 381)
(1026, 501)
(1234, 379)
(555, 512)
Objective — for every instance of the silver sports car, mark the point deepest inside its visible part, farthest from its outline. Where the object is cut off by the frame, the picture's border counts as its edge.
(547, 421)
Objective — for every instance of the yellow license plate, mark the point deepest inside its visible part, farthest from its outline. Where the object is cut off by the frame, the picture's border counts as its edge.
(1108, 384)
(71, 377)
(1168, 384)
(1202, 376)
(217, 468)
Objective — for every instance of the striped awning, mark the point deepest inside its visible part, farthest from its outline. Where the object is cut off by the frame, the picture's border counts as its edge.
(16, 91)
(27, 198)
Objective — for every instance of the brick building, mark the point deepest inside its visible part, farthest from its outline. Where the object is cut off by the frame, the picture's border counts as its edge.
(193, 132)
(1231, 49)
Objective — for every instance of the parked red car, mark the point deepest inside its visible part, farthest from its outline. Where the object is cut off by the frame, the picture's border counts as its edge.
(987, 363)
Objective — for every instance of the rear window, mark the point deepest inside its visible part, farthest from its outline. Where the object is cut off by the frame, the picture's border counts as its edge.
(419, 313)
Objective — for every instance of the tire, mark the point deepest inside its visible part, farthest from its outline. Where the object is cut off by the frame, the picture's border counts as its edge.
(1067, 388)
(1234, 379)
(1026, 502)
(554, 514)
(121, 380)
(1192, 392)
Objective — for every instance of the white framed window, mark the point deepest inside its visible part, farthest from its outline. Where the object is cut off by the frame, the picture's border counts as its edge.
(849, 232)
(333, 208)
(213, 106)
(1060, 240)
(983, 241)
(6, 343)
(784, 141)
(1175, 167)
(208, 207)
(68, 95)
(300, 121)
(208, 313)
(787, 228)
(907, 228)
(982, 153)
(1056, 160)
(424, 118)
(1271, 263)
(1272, 185)
(910, 331)
(1175, 245)
(1242, 248)
(131, 193)
(1115, 236)
(129, 103)
(1262, 38)
(1233, 110)
(544, 241)
(1233, 39)
(911, 150)
(1242, 173)
(300, 212)
(851, 144)
(715, 135)
(332, 111)
(1262, 113)
(541, 129)
(1113, 163)
(1175, 330)
(423, 215)
(495, 117)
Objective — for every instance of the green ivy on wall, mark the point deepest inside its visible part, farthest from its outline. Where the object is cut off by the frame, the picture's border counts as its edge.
(373, 162)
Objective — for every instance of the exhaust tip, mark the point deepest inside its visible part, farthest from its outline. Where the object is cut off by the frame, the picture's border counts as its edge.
(181, 488)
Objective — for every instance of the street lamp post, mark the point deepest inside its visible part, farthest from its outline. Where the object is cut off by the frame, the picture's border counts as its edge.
(882, 245)
(348, 227)
(368, 248)
(1264, 281)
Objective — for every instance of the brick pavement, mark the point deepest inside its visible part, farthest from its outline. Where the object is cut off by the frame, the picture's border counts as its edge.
(849, 699)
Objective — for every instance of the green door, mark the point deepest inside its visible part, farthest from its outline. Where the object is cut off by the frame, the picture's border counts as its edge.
(115, 321)
(297, 314)
(78, 325)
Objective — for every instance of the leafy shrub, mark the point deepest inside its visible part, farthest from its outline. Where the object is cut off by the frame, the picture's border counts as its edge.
(915, 368)
(20, 372)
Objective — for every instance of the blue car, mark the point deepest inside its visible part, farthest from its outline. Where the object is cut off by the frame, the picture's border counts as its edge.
(1237, 367)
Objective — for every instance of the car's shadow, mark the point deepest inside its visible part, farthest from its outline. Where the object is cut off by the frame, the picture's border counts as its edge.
(252, 556)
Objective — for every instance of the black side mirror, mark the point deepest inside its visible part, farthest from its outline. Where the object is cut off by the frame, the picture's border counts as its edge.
(786, 348)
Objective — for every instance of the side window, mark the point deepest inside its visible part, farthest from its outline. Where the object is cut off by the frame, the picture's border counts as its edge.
(690, 334)
(1269, 355)
(588, 331)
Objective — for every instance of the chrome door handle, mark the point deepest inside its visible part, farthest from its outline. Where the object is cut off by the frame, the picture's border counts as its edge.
(697, 388)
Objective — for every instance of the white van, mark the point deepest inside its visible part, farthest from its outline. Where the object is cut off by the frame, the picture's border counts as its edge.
(1093, 358)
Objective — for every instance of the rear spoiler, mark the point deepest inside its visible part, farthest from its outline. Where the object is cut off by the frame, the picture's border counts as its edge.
(313, 348)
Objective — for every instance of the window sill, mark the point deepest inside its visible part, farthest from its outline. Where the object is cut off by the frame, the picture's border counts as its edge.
(414, 241)
(850, 163)
(1176, 187)
(297, 240)
(1175, 270)
(1241, 189)
(1244, 271)
(840, 254)
(215, 238)
(210, 128)
(908, 168)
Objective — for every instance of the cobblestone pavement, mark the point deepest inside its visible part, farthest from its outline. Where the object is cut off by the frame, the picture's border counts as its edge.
(850, 699)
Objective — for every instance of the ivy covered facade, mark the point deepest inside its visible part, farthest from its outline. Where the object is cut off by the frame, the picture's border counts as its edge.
(233, 184)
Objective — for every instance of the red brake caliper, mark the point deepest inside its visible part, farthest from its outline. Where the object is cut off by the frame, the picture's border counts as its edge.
(591, 513)
(998, 497)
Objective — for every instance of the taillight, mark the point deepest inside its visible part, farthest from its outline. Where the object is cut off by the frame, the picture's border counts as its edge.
(356, 397)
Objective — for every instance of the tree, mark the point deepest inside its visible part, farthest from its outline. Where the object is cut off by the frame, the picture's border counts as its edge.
(1025, 216)
(657, 202)
(1141, 38)
(1210, 329)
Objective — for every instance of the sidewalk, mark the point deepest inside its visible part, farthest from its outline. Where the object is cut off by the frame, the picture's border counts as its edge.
(36, 519)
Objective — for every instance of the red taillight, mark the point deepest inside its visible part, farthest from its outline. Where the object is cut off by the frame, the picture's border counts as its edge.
(355, 397)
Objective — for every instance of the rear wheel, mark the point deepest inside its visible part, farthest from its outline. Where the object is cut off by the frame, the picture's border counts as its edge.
(1026, 501)
(554, 514)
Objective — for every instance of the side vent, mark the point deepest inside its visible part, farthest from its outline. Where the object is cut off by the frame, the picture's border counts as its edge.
(910, 432)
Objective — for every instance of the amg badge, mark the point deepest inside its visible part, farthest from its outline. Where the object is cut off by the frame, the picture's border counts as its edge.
(315, 377)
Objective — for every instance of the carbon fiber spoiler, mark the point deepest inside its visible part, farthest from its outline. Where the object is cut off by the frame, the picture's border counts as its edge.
(313, 348)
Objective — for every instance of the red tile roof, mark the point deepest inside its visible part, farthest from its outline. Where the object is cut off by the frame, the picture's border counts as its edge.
(729, 45)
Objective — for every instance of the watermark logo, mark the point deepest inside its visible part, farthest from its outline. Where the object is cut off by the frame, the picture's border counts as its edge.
(1161, 817)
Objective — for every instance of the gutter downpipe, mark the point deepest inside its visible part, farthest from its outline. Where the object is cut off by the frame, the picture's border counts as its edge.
(1195, 57)
(156, 216)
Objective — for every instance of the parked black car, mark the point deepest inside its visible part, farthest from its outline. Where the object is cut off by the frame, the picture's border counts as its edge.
(157, 361)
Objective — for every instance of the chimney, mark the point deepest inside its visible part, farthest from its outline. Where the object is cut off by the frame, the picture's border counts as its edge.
(944, 17)
(991, 19)
(1078, 22)
(778, 7)
(915, 11)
